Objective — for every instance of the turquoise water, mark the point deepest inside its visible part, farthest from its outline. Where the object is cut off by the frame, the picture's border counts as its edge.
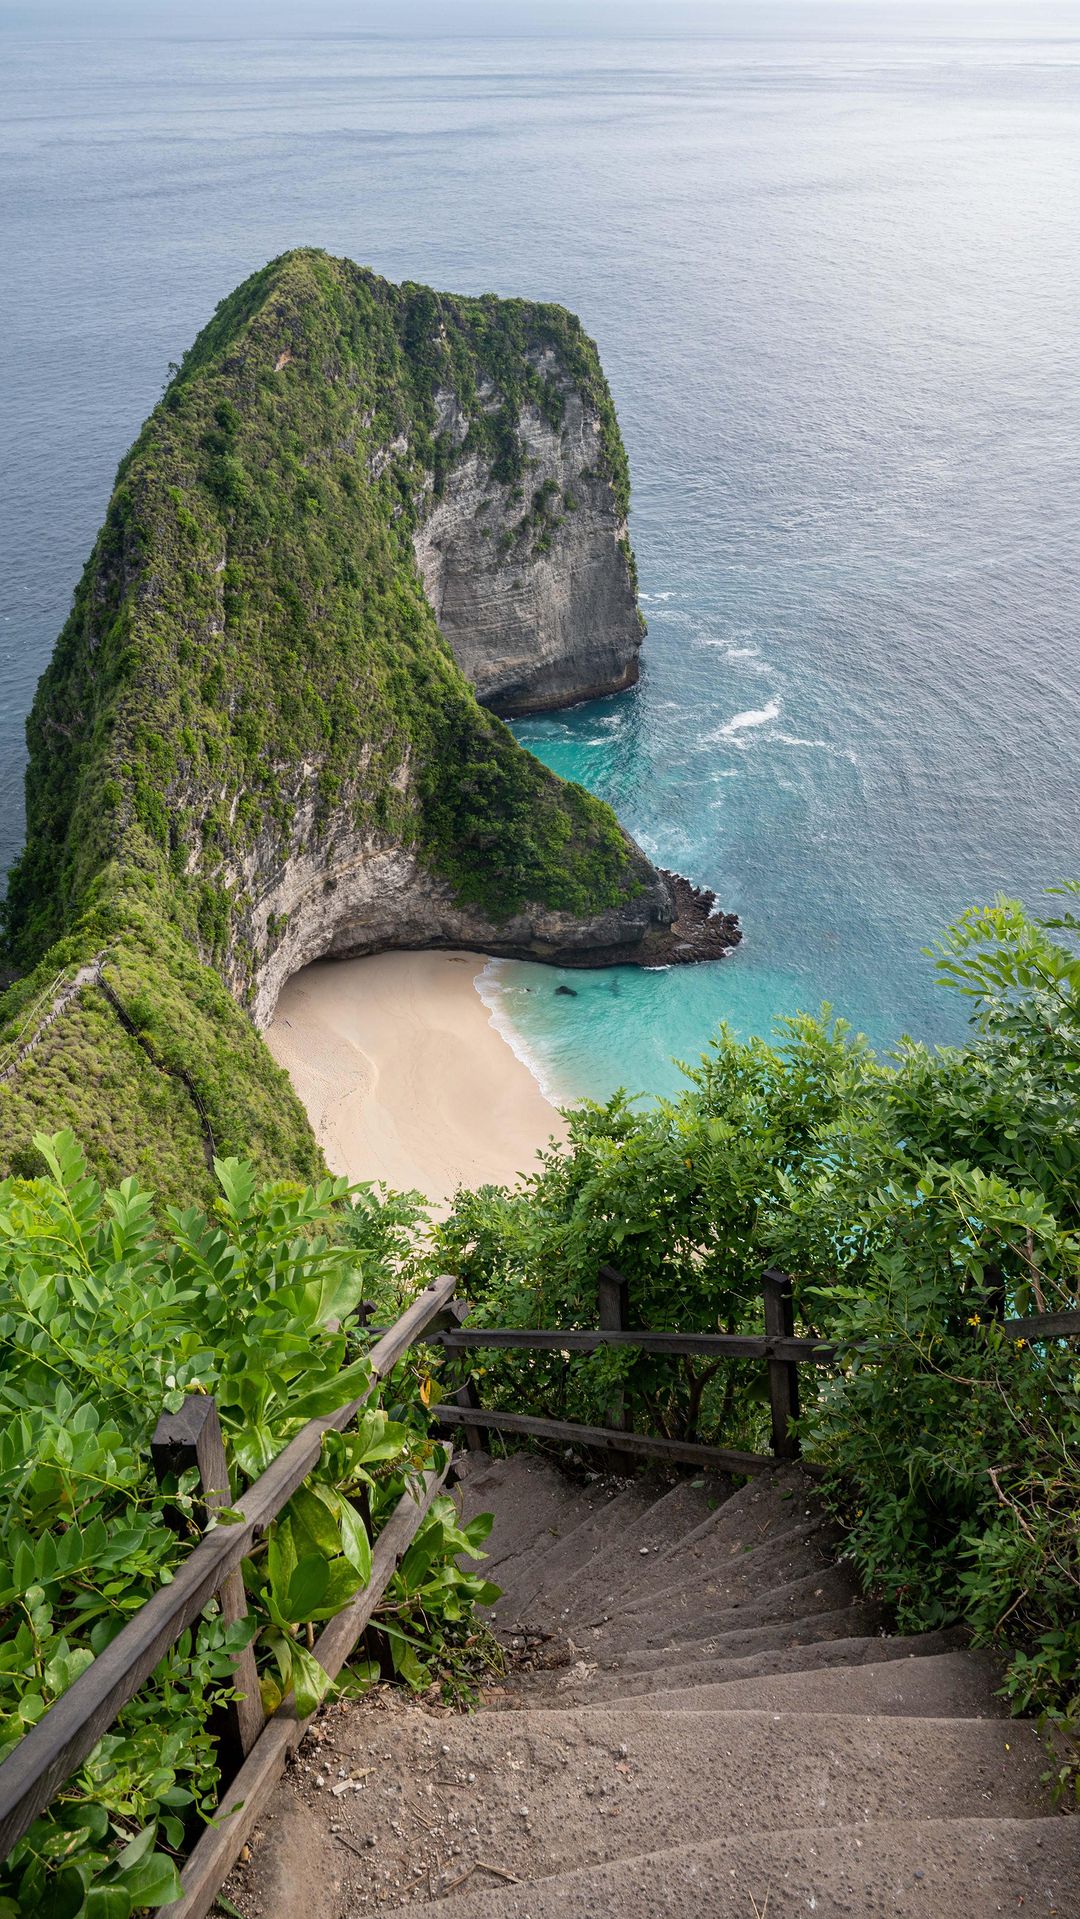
(830, 254)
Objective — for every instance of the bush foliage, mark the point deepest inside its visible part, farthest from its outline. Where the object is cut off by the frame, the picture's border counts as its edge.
(918, 1202)
(108, 1314)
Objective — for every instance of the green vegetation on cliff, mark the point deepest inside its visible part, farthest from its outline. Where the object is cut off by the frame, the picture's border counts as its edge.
(250, 643)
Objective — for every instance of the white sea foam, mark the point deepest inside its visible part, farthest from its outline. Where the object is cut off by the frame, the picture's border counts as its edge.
(748, 657)
(820, 746)
(490, 989)
(744, 722)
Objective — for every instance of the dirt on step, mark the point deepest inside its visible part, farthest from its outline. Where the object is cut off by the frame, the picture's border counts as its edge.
(334, 1841)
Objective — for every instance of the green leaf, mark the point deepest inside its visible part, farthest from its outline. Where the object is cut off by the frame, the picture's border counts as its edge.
(153, 1881)
(105, 1901)
(136, 1849)
(64, 1897)
(311, 1683)
(307, 1588)
(82, 1815)
(355, 1543)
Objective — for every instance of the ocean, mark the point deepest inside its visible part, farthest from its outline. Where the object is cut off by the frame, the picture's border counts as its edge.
(831, 255)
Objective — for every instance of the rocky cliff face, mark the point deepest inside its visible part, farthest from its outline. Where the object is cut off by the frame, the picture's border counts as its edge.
(361, 894)
(531, 578)
(254, 746)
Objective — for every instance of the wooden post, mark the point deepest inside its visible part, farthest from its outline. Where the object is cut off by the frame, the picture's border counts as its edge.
(192, 1437)
(613, 1293)
(995, 1292)
(783, 1373)
(467, 1396)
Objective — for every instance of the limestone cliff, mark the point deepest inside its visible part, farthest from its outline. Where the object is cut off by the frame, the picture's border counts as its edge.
(253, 746)
(531, 581)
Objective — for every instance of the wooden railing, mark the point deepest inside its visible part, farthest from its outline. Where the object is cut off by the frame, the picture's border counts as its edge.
(53, 1749)
(777, 1346)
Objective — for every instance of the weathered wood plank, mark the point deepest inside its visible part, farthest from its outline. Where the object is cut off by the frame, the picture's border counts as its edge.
(1044, 1326)
(603, 1436)
(192, 1437)
(467, 1397)
(51, 1750)
(246, 1798)
(613, 1301)
(551, 1340)
(783, 1373)
(814, 1352)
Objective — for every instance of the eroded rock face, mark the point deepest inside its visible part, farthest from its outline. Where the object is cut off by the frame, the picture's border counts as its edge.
(531, 581)
(351, 894)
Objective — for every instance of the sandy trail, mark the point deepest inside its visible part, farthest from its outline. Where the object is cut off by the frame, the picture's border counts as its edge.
(403, 1076)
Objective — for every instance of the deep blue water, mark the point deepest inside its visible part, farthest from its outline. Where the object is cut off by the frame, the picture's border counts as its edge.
(832, 259)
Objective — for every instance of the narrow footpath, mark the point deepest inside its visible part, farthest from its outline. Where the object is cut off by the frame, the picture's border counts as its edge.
(704, 1721)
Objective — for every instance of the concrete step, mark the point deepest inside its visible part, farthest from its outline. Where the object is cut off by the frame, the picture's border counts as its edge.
(722, 1542)
(733, 1578)
(604, 1520)
(690, 1580)
(960, 1685)
(622, 1539)
(824, 1590)
(531, 1503)
(586, 1683)
(759, 1511)
(863, 1620)
(707, 1556)
(534, 1790)
(937, 1869)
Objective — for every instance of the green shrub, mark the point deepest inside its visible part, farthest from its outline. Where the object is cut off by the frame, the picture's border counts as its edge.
(108, 1313)
(918, 1202)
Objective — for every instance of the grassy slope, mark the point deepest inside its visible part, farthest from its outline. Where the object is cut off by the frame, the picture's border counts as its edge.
(252, 606)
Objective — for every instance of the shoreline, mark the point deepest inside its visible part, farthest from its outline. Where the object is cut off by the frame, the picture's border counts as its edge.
(409, 1073)
(487, 991)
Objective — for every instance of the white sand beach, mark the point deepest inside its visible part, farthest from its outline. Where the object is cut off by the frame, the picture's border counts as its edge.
(403, 1075)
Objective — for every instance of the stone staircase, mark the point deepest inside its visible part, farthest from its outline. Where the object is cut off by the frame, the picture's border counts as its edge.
(703, 1721)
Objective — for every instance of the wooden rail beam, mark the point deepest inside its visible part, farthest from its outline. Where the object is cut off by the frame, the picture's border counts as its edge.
(604, 1437)
(246, 1798)
(1037, 1326)
(583, 1340)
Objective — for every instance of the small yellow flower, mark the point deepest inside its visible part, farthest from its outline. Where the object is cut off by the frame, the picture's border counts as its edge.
(973, 1319)
(1019, 1343)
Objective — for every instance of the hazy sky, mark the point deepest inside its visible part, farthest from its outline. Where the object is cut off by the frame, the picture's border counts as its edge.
(741, 18)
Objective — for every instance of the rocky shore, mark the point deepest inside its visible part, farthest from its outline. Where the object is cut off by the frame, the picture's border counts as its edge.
(700, 930)
(697, 930)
